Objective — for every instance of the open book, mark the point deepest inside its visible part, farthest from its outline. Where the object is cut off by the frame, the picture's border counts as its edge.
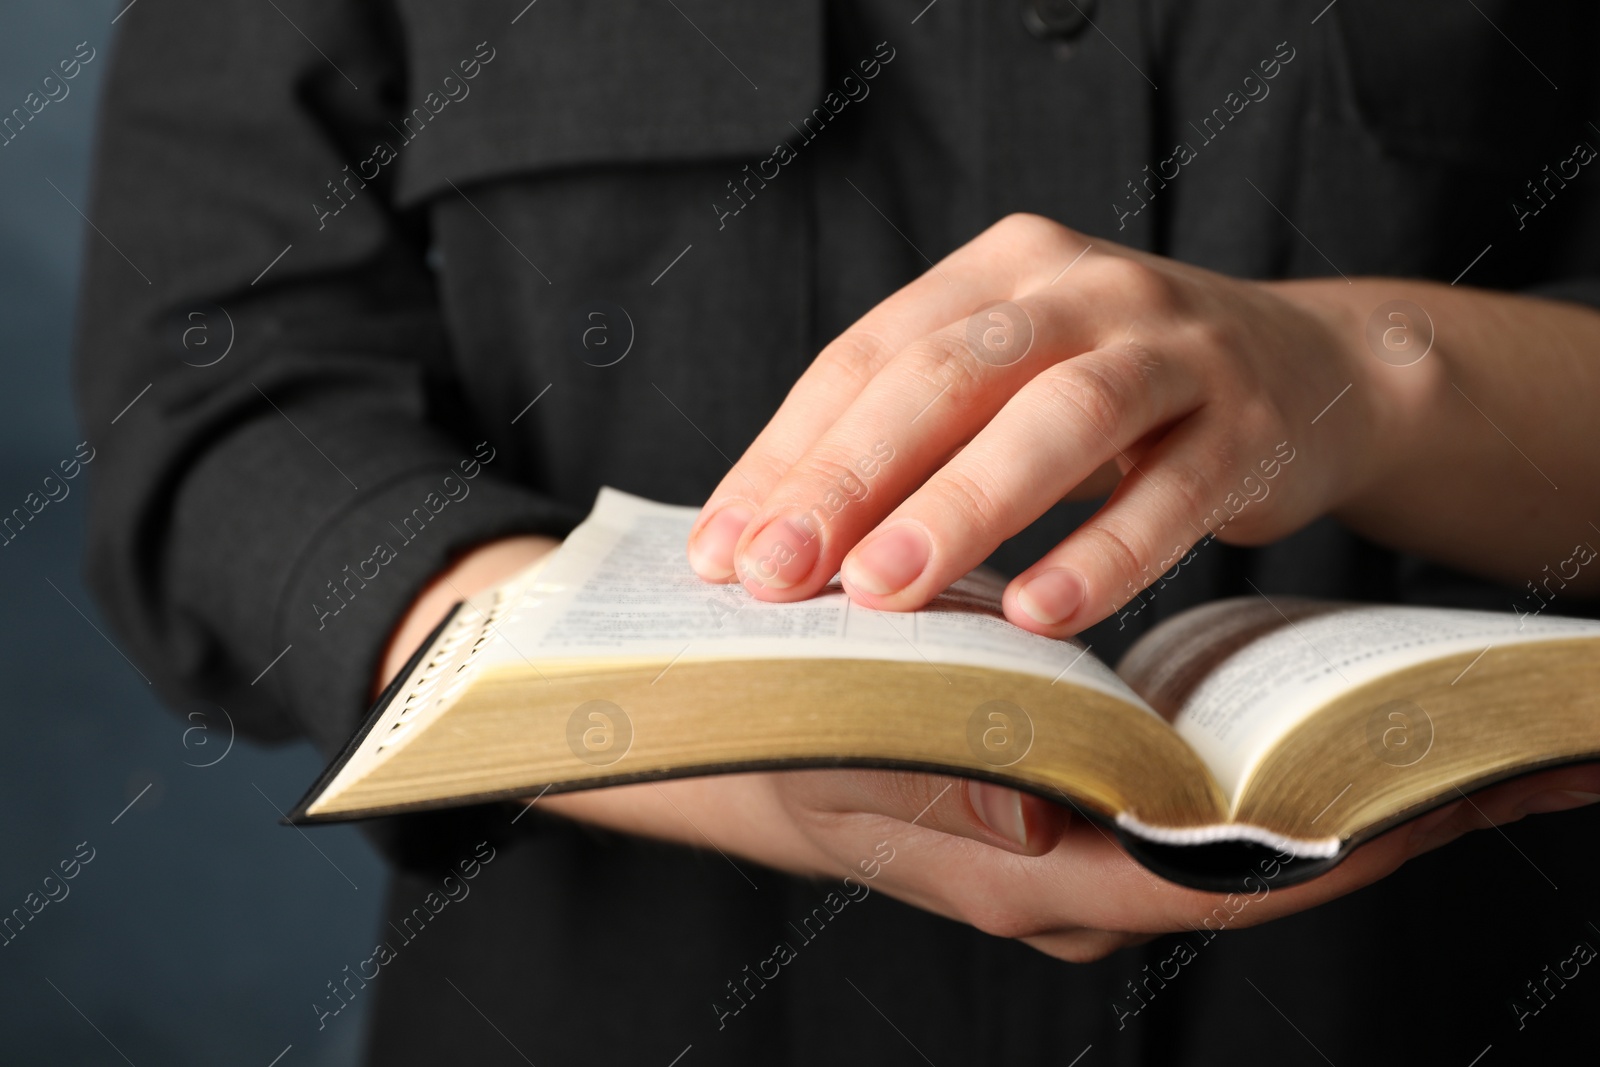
(1297, 726)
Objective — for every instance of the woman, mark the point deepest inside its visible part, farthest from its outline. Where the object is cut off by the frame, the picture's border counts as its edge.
(409, 225)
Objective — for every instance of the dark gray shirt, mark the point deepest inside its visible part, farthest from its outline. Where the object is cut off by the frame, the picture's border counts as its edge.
(403, 223)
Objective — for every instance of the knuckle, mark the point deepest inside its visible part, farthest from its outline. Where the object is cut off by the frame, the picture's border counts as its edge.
(1086, 946)
(1187, 487)
(817, 821)
(826, 469)
(829, 797)
(1131, 281)
(1017, 223)
(854, 357)
(1261, 420)
(987, 910)
(1028, 226)
(1090, 390)
(940, 363)
(1212, 336)
(1123, 550)
(965, 493)
(757, 467)
(906, 793)
(1134, 364)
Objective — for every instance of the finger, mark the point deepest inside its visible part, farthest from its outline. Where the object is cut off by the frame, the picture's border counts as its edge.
(1084, 945)
(1066, 900)
(1558, 790)
(1084, 897)
(990, 814)
(931, 399)
(998, 264)
(1056, 901)
(1151, 522)
(1539, 794)
(1063, 425)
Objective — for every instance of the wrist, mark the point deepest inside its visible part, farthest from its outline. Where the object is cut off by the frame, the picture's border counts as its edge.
(1380, 340)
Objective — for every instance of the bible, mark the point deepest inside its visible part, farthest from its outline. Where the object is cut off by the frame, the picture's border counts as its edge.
(1241, 727)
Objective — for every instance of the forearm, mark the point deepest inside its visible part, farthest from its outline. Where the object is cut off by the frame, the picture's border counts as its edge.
(1482, 454)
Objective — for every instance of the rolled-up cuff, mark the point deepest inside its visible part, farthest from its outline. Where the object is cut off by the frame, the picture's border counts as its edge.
(361, 573)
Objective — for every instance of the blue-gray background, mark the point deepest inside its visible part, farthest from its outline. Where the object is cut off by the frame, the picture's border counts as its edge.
(202, 931)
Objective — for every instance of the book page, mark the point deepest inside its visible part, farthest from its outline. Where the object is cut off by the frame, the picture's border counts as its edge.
(1238, 675)
(620, 586)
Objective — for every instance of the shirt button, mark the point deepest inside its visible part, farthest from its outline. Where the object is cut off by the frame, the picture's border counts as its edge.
(1059, 19)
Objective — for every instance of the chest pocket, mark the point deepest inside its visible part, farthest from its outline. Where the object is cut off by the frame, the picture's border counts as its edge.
(574, 83)
(1493, 85)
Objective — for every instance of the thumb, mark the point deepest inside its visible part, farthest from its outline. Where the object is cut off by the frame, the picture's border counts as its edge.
(982, 811)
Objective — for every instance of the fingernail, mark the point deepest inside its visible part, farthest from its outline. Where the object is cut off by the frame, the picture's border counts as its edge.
(1050, 597)
(781, 555)
(1000, 809)
(888, 561)
(1557, 800)
(711, 551)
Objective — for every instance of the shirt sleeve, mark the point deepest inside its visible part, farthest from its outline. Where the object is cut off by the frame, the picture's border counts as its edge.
(281, 457)
(1584, 290)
